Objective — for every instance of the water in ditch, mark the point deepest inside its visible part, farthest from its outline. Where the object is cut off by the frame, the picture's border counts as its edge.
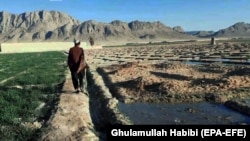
(196, 113)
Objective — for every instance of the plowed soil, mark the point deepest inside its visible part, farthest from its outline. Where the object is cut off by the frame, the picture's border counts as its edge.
(177, 82)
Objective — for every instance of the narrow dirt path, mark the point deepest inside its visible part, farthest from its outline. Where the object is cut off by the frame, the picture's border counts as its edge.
(72, 120)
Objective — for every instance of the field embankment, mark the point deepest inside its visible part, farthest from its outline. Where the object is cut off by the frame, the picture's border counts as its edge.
(42, 47)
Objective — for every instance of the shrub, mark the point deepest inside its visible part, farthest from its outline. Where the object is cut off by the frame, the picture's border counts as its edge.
(91, 41)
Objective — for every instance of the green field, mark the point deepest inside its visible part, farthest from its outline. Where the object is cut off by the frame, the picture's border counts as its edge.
(30, 84)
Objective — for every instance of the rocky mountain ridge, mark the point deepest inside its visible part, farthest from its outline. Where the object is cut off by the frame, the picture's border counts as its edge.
(239, 29)
(58, 26)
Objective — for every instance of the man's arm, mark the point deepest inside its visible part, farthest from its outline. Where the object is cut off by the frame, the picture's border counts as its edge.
(83, 56)
(69, 58)
(82, 62)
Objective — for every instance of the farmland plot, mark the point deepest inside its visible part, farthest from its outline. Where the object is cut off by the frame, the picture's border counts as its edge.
(29, 85)
(149, 78)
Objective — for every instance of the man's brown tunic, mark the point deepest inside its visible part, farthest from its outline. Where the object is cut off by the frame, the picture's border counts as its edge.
(76, 61)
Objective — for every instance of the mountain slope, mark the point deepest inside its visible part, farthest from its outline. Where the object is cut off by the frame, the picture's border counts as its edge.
(58, 26)
(239, 29)
(32, 25)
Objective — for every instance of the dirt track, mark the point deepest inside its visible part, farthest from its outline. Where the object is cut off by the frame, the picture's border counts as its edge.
(84, 117)
(72, 120)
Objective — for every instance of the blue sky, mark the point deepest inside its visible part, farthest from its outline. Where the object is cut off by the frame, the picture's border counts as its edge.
(189, 14)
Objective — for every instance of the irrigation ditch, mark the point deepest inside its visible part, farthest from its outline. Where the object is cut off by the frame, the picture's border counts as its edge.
(103, 106)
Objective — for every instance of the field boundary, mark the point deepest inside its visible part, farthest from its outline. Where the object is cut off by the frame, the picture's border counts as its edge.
(42, 47)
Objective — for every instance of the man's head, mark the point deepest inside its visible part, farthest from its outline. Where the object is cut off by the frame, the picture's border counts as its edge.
(77, 42)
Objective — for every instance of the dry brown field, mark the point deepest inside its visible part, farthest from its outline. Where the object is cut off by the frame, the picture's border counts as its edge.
(189, 72)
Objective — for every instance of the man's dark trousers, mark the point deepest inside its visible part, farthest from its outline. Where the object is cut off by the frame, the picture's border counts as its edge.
(77, 79)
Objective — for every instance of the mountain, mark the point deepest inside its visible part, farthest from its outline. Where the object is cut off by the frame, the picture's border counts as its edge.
(57, 26)
(201, 33)
(239, 29)
(178, 29)
(32, 25)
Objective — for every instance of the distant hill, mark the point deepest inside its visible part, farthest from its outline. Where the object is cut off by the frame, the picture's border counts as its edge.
(178, 29)
(239, 29)
(201, 33)
(58, 26)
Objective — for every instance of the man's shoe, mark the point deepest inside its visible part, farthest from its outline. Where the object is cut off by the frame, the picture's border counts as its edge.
(77, 91)
(85, 92)
(81, 89)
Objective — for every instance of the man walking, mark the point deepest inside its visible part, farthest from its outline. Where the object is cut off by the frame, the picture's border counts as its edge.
(77, 65)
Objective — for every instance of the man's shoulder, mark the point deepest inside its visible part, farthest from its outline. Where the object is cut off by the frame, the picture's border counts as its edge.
(71, 48)
(80, 48)
(75, 49)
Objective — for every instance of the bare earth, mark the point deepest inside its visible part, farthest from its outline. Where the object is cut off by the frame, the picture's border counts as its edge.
(177, 82)
(153, 74)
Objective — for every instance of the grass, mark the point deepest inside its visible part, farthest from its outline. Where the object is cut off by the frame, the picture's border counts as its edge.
(38, 76)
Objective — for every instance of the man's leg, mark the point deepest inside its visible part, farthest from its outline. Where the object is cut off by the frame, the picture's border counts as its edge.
(75, 80)
(81, 76)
